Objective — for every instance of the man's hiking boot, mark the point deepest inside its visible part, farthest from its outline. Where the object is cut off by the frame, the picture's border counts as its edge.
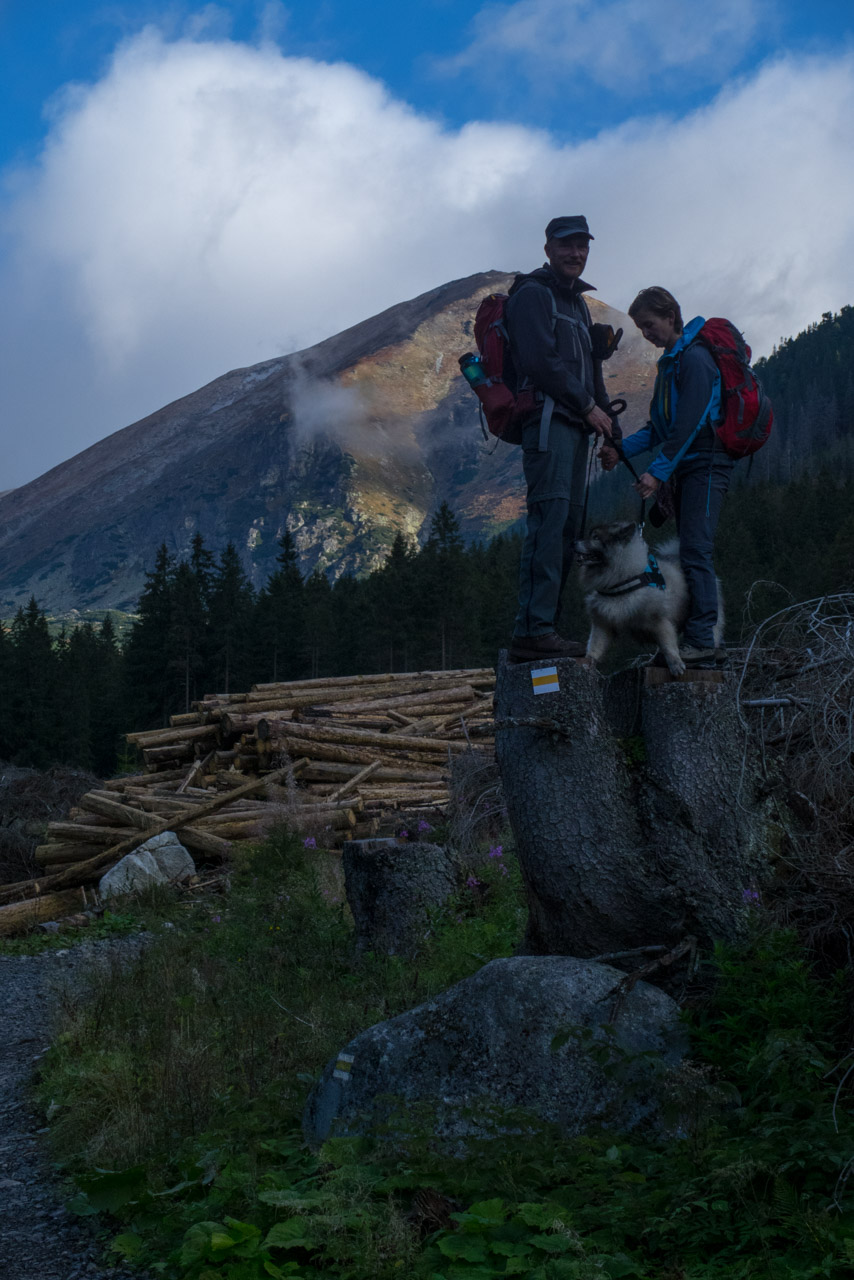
(535, 648)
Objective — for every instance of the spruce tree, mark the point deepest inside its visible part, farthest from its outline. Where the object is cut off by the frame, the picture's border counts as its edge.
(148, 672)
(36, 691)
(232, 599)
(187, 640)
(280, 619)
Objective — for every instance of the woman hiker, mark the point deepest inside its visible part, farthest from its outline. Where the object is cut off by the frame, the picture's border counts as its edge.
(686, 403)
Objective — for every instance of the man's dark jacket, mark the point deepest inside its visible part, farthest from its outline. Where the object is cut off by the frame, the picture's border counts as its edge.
(557, 359)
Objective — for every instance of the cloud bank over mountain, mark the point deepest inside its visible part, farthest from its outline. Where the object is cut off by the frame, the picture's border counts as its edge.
(209, 204)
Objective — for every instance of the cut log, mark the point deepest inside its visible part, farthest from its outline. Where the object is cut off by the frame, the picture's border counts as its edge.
(353, 782)
(364, 738)
(461, 693)
(74, 851)
(144, 779)
(233, 723)
(185, 717)
(323, 771)
(92, 834)
(161, 755)
(20, 917)
(167, 737)
(120, 814)
(359, 755)
(475, 675)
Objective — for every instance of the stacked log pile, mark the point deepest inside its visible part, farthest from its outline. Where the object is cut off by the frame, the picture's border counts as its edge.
(330, 756)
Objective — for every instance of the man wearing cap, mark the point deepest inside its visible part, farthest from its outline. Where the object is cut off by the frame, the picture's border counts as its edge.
(551, 344)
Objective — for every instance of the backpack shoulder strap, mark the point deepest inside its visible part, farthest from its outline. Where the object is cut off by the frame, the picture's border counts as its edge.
(541, 284)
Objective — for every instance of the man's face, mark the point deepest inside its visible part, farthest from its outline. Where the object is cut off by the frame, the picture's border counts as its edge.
(567, 256)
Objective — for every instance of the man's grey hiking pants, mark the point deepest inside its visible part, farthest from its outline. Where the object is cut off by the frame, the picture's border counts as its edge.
(555, 481)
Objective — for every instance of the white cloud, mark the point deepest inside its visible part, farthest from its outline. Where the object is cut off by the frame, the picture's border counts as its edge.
(621, 45)
(208, 205)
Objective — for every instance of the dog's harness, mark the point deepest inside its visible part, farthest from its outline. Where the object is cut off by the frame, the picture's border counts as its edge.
(651, 577)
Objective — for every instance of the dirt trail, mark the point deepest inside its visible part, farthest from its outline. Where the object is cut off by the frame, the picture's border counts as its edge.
(39, 1239)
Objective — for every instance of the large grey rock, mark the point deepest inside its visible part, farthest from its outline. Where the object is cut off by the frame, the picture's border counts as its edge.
(161, 860)
(529, 1032)
(392, 888)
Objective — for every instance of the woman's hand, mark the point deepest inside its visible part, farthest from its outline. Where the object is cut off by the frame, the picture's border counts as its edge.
(647, 485)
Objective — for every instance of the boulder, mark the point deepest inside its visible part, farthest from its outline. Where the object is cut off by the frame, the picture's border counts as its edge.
(544, 1034)
(393, 887)
(161, 860)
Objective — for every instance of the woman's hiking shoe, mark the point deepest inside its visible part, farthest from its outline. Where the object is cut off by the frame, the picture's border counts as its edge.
(694, 659)
(534, 648)
(697, 659)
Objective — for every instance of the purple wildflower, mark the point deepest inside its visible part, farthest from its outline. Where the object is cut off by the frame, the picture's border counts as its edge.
(750, 895)
(310, 842)
(496, 851)
(403, 835)
(472, 882)
(215, 919)
(423, 825)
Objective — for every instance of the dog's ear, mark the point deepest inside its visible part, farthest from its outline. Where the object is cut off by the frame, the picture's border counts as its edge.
(626, 532)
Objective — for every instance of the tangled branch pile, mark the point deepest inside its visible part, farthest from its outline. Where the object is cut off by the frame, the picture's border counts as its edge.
(796, 699)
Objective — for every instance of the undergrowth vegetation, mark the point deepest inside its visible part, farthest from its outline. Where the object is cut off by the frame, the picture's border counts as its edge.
(176, 1086)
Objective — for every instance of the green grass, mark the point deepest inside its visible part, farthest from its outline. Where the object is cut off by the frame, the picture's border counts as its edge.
(175, 1092)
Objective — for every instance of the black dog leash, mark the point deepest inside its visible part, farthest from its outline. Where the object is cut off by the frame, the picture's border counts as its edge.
(615, 408)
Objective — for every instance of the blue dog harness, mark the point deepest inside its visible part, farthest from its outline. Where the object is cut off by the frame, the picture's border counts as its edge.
(651, 577)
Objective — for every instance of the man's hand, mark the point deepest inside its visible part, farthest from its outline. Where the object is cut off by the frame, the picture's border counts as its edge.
(609, 457)
(647, 485)
(600, 422)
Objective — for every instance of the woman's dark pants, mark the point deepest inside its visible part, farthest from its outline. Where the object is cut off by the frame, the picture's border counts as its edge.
(698, 495)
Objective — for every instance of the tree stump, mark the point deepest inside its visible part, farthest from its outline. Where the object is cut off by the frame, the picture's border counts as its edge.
(391, 889)
(626, 841)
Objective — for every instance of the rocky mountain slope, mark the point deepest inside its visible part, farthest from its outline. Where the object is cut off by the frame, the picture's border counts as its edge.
(345, 443)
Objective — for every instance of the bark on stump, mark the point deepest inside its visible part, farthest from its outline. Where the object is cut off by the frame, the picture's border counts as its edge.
(391, 889)
(618, 853)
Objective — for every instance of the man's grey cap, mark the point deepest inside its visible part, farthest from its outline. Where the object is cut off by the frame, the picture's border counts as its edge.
(575, 225)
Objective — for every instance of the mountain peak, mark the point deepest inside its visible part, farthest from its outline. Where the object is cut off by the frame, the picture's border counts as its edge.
(345, 444)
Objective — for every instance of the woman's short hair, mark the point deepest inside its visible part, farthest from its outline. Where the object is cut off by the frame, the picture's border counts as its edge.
(659, 301)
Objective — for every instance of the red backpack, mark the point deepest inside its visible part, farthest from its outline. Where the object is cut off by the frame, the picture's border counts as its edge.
(504, 404)
(492, 377)
(747, 415)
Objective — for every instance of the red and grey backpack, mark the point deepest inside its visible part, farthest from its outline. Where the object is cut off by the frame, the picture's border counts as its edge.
(747, 415)
(505, 402)
(503, 407)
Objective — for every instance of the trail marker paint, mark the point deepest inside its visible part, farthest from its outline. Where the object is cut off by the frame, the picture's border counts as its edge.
(545, 680)
(343, 1066)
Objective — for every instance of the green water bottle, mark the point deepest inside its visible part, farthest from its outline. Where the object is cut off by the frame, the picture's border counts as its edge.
(471, 367)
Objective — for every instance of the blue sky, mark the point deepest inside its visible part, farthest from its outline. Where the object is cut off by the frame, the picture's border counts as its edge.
(410, 46)
(188, 188)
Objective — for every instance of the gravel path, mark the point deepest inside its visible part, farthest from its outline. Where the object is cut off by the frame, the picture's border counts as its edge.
(39, 1239)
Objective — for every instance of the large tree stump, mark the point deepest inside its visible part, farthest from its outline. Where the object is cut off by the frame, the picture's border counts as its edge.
(618, 851)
